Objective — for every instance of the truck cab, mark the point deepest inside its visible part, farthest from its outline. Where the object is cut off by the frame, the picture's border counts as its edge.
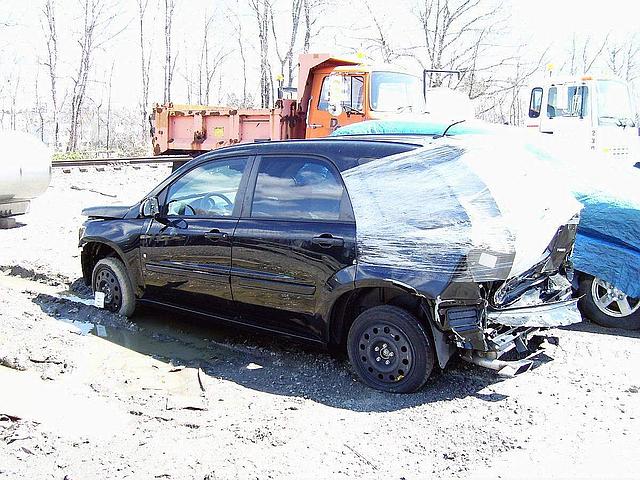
(353, 93)
(596, 114)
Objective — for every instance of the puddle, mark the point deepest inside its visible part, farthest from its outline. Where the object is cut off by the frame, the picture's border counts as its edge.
(163, 335)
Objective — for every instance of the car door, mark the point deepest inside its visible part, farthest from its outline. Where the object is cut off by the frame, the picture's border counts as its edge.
(186, 251)
(295, 232)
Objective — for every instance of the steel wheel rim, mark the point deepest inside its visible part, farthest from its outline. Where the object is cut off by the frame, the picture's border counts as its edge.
(612, 301)
(107, 283)
(385, 353)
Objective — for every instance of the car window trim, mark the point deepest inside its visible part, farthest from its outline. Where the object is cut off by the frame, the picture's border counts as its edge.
(240, 194)
(245, 214)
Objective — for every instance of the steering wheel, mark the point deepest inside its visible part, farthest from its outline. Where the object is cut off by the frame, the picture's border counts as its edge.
(212, 204)
(193, 210)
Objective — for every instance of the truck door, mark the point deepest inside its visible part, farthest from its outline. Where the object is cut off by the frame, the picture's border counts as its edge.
(321, 120)
(568, 112)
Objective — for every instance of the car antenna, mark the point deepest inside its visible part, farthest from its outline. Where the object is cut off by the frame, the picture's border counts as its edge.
(447, 129)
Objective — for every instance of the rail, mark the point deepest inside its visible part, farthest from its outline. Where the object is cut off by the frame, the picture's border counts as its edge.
(118, 161)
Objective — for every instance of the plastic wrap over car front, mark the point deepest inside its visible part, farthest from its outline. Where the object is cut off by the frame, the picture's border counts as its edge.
(457, 211)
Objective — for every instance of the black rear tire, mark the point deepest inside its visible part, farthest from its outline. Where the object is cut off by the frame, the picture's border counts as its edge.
(110, 277)
(390, 350)
(589, 305)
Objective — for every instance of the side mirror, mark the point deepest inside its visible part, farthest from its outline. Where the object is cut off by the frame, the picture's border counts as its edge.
(150, 207)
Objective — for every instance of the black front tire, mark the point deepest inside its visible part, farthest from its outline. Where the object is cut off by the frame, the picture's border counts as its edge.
(590, 309)
(110, 277)
(390, 350)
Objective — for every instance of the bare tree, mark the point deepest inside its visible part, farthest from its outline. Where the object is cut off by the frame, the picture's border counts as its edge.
(169, 60)
(381, 43)
(236, 23)
(187, 75)
(49, 27)
(504, 97)
(108, 122)
(622, 58)
(286, 58)
(262, 13)
(456, 36)
(145, 68)
(209, 64)
(582, 54)
(312, 12)
(13, 113)
(96, 21)
(39, 108)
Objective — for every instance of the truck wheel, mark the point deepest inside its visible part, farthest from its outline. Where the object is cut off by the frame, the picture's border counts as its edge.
(110, 277)
(603, 303)
(390, 350)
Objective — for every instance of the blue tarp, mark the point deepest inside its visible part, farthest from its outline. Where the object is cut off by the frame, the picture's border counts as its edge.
(608, 240)
(414, 127)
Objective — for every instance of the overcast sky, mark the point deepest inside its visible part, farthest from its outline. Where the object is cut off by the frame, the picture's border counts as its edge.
(537, 24)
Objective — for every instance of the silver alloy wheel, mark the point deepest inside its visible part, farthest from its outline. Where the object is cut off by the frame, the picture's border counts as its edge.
(612, 301)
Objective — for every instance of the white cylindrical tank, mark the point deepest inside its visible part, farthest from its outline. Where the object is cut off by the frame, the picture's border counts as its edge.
(25, 171)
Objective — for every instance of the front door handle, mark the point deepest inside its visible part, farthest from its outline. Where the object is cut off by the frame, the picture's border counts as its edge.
(326, 240)
(215, 234)
(313, 126)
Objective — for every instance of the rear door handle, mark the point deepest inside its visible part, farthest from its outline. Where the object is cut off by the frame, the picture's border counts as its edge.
(326, 240)
(215, 234)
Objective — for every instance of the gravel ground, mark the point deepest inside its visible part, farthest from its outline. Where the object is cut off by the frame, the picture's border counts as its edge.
(86, 394)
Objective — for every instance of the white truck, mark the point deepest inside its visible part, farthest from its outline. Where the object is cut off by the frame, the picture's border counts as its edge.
(596, 113)
(596, 116)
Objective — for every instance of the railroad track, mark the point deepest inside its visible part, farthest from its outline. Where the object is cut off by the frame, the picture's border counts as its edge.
(94, 162)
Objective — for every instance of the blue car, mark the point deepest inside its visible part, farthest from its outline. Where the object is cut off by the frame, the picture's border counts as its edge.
(606, 255)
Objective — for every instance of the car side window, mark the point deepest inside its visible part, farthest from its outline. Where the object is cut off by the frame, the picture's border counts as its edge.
(208, 190)
(299, 189)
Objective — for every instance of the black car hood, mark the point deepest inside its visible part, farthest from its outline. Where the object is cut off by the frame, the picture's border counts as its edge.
(106, 212)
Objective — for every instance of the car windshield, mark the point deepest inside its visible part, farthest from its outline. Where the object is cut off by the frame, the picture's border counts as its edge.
(614, 103)
(396, 92)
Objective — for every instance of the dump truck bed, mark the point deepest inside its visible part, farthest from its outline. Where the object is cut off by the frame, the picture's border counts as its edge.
(193, 129)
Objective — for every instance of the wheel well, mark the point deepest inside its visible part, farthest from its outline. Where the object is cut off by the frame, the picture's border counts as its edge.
(92, 253)
(353, 303)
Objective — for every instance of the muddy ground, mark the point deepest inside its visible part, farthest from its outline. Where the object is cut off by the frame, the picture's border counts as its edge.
(89, 395)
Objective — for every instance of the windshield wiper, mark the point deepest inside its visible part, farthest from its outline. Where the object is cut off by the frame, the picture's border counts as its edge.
(626, 122)
(350, 110)
(444, 134)
(619, 121)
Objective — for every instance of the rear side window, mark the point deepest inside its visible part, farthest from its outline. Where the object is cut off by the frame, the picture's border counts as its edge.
(298, 188)
(535, 104)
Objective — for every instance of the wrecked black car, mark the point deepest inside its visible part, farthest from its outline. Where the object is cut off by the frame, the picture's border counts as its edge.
(401, 251)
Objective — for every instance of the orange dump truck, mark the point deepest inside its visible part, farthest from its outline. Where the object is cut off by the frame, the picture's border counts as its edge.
(332, 92)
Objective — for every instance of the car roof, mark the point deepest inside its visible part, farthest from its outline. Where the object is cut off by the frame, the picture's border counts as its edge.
(345, 152)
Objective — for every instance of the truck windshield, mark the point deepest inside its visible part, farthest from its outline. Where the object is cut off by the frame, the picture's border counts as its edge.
(396, 92)
(614, 104)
